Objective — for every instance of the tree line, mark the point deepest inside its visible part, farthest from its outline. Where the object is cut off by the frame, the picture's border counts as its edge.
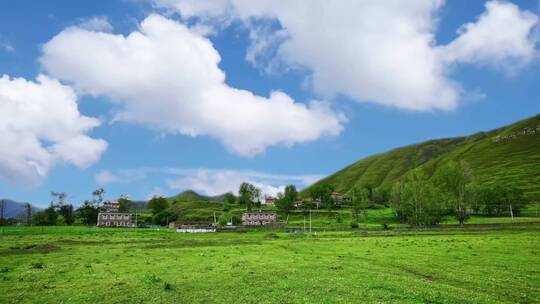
(60, 212)
(423, 200)
(420, 200)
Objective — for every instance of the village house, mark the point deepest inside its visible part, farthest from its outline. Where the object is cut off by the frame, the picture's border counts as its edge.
(111, 217)
(339, 198)
(259, 218)
(269, 201)
(193, 227)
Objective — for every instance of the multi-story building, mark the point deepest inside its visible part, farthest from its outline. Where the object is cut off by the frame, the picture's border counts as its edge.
(258, 218)
(111, 217)
(269, 201)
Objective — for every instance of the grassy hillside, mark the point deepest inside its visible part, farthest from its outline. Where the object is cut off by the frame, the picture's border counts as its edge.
(192, 196)
(510, 154)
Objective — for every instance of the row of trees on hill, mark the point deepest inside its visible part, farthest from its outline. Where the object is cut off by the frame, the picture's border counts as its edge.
(249, 196)
(452, 190)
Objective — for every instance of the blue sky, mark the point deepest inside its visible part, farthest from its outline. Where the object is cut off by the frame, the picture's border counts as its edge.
(481, 82)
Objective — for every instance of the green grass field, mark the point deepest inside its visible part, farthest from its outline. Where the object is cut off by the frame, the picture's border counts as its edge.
(90, 265)
(341, 218)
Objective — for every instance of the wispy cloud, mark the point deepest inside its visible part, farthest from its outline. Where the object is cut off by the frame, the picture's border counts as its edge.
(204, 180)
(7, 47)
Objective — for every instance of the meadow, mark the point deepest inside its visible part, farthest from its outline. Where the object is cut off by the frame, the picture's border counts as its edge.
(91, 265)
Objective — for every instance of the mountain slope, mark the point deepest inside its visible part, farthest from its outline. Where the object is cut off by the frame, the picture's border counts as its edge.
(192, 196)
(13, 208)
(510, 154)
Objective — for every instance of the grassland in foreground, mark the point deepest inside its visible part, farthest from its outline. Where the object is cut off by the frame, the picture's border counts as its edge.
(85, 265)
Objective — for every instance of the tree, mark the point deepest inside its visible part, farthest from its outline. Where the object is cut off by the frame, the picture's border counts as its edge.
(359, 203)
(38, 218)
(223, 219)
(285, 201)
(28, 208)
(158, 204)
(248, 194)
(2, 208)
(164, 217)
(58, 198)
(124, 204)
(396, 203)
(487, 200)
(50, 216)
(456, 183)
(66, 211)
(323, 194)
(420, 200)
(60, 220)
(383, 195)
(87, 213)
(229, 198)
(20, 218)
(513, 198)
(97, 196)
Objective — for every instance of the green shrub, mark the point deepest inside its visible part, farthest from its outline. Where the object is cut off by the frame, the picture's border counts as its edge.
(354, 225)
(236, 220)
(4, 269)
(223, 219)
(167, 286)
(153, 278)
(37, 265)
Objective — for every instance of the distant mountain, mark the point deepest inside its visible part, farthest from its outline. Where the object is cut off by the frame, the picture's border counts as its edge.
(12, 208)
(509, 154)
(192, 196)
(138, 205)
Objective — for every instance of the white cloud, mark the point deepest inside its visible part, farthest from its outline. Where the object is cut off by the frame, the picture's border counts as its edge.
(371, 51)
(97, 23)
(40, 124)
(207, 181)
(501, 37)
(215, 182)
(219, 181)
(7, 47)
(166, 76)
(156, 192)
(106, 177)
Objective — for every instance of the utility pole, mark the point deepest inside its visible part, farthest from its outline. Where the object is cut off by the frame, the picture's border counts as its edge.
(304, 223)
(136, 218)
(309, 220)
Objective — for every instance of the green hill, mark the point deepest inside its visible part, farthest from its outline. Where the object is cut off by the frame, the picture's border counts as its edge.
(509, 154)
(192, 196)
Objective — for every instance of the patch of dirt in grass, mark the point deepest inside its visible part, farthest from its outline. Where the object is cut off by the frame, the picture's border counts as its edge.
(205, 243)
(30, 249)
(424, 276)
(108, 242)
